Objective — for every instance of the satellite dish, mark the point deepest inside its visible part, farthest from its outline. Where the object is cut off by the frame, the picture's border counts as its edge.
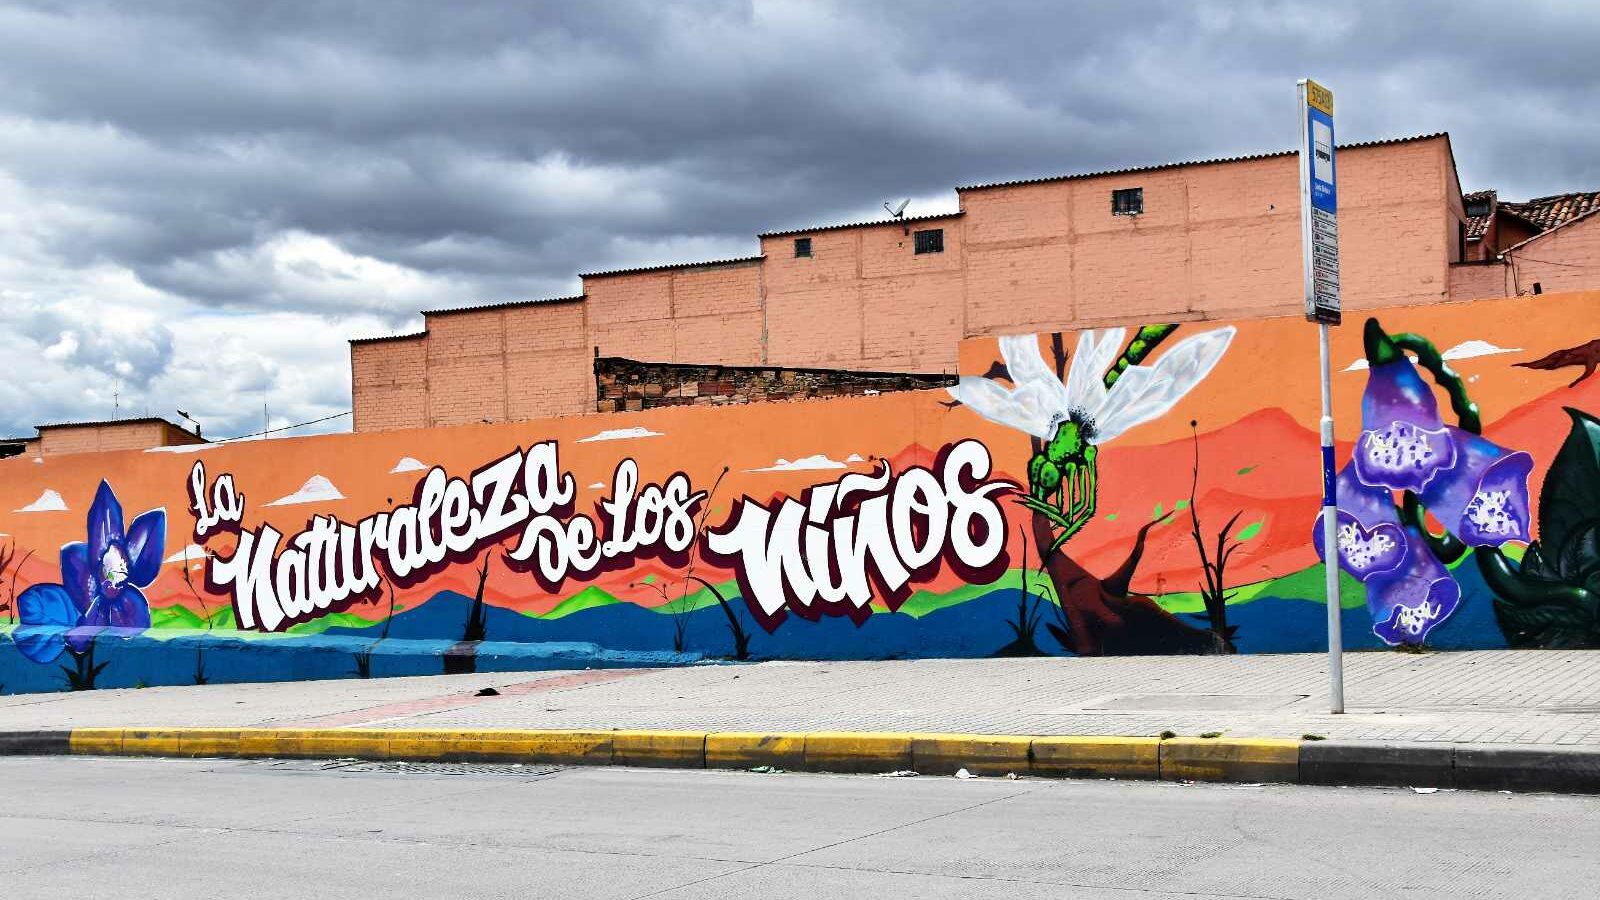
(898, 209)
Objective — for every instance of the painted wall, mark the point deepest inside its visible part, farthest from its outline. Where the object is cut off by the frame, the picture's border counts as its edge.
(1167, 476)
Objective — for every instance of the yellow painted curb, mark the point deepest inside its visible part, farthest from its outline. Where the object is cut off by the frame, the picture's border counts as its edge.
(1097, 757)
(1199, 759)
(152, 742)
(979, 754)
(1230, 759)
(566, 747)
(746, 749)
(208, 741)
(96, 741)
(675, 749)
(865, 751)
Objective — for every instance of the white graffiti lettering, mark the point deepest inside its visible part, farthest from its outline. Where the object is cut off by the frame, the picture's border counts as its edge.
(828, 549)
(226, 507)
(276, 583)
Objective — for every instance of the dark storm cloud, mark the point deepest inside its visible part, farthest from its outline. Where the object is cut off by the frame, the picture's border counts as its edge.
(354, 161)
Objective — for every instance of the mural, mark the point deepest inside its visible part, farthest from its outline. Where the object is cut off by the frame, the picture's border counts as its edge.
(1110, 491)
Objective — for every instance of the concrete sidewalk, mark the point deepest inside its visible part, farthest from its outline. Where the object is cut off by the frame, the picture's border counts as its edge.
(1502, 698)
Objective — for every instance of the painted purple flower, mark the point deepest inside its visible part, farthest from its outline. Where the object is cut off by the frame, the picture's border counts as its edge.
(1403, 442)
(101, 581)
(1369, 535)
(1483, 499)
(1409, 602)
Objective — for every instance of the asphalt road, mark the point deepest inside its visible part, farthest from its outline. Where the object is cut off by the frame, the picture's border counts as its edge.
(135, 828)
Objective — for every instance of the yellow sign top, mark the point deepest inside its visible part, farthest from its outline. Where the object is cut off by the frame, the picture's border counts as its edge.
(1319, 97)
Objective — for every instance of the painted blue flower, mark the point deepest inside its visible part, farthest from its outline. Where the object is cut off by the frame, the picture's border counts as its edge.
(101, 581)
(1403, 442)
(1411, 600)
(1483, 498)
(1370, 538)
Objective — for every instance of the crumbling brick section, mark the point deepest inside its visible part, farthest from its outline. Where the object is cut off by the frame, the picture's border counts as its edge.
(626, 384)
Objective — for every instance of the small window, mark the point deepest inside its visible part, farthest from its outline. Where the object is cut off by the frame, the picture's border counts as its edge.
(1478, 208)
(929, 241)
(802, 246)
(1127, 201)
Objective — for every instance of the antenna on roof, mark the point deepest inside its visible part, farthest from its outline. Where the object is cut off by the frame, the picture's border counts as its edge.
(898, 210)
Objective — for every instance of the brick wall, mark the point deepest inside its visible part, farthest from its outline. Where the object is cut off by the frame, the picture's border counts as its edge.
(389, 383)
(626, 384)
(1564, 259)
(1478, 281)
(94, 437)
(1215, 240)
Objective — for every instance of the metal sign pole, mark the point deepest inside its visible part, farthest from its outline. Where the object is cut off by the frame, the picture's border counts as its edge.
(1330, 536)
(1319, 235)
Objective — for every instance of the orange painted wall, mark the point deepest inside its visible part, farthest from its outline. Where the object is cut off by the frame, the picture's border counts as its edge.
(1254, 416)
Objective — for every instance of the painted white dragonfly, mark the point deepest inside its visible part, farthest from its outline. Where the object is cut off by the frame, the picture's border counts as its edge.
(1106, 393)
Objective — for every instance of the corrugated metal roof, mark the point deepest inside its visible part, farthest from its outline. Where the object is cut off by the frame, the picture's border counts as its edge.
(504, 304)
(905, 221)
(1193, 162)
(131, 420)
(709, 264)
(388, 337)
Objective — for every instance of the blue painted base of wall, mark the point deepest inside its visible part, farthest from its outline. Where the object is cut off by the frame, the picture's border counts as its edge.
(622, 635)
(194, 657)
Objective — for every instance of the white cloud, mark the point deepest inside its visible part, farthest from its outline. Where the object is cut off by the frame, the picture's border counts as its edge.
(620, 434)
(408, 464)
(804, 464)
(49, 501)
(316, 489)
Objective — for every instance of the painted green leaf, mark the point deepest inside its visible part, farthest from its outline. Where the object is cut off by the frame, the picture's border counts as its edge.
(1246, 470)
(1157, 513)
(1570, 499)
(1111, 517)
(1250, 531)
(648, 579)
(1181, 504)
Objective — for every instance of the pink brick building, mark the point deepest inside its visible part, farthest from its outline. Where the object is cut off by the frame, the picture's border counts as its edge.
(1178, 242)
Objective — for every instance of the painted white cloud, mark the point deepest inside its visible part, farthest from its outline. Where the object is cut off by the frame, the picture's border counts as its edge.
(1464, 350)
(597, 486)
(316, 489)
(854, 457)
(408, 464)
(619, 434)
(191, 553)
(1475, 348)
(49, 501)
(804, 464)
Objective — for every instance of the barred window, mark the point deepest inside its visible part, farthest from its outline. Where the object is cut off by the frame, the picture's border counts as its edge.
(929, 241)
(1127, 201)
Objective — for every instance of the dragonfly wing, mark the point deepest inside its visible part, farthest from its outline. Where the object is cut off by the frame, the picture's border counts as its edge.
(1097, 349)
(1144, 393)
(1024, 361)
(1033, 407)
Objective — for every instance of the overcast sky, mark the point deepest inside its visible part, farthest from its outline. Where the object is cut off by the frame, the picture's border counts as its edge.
(200, 202)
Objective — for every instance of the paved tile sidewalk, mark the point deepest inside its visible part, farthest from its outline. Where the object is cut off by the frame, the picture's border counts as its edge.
(1489, 697)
